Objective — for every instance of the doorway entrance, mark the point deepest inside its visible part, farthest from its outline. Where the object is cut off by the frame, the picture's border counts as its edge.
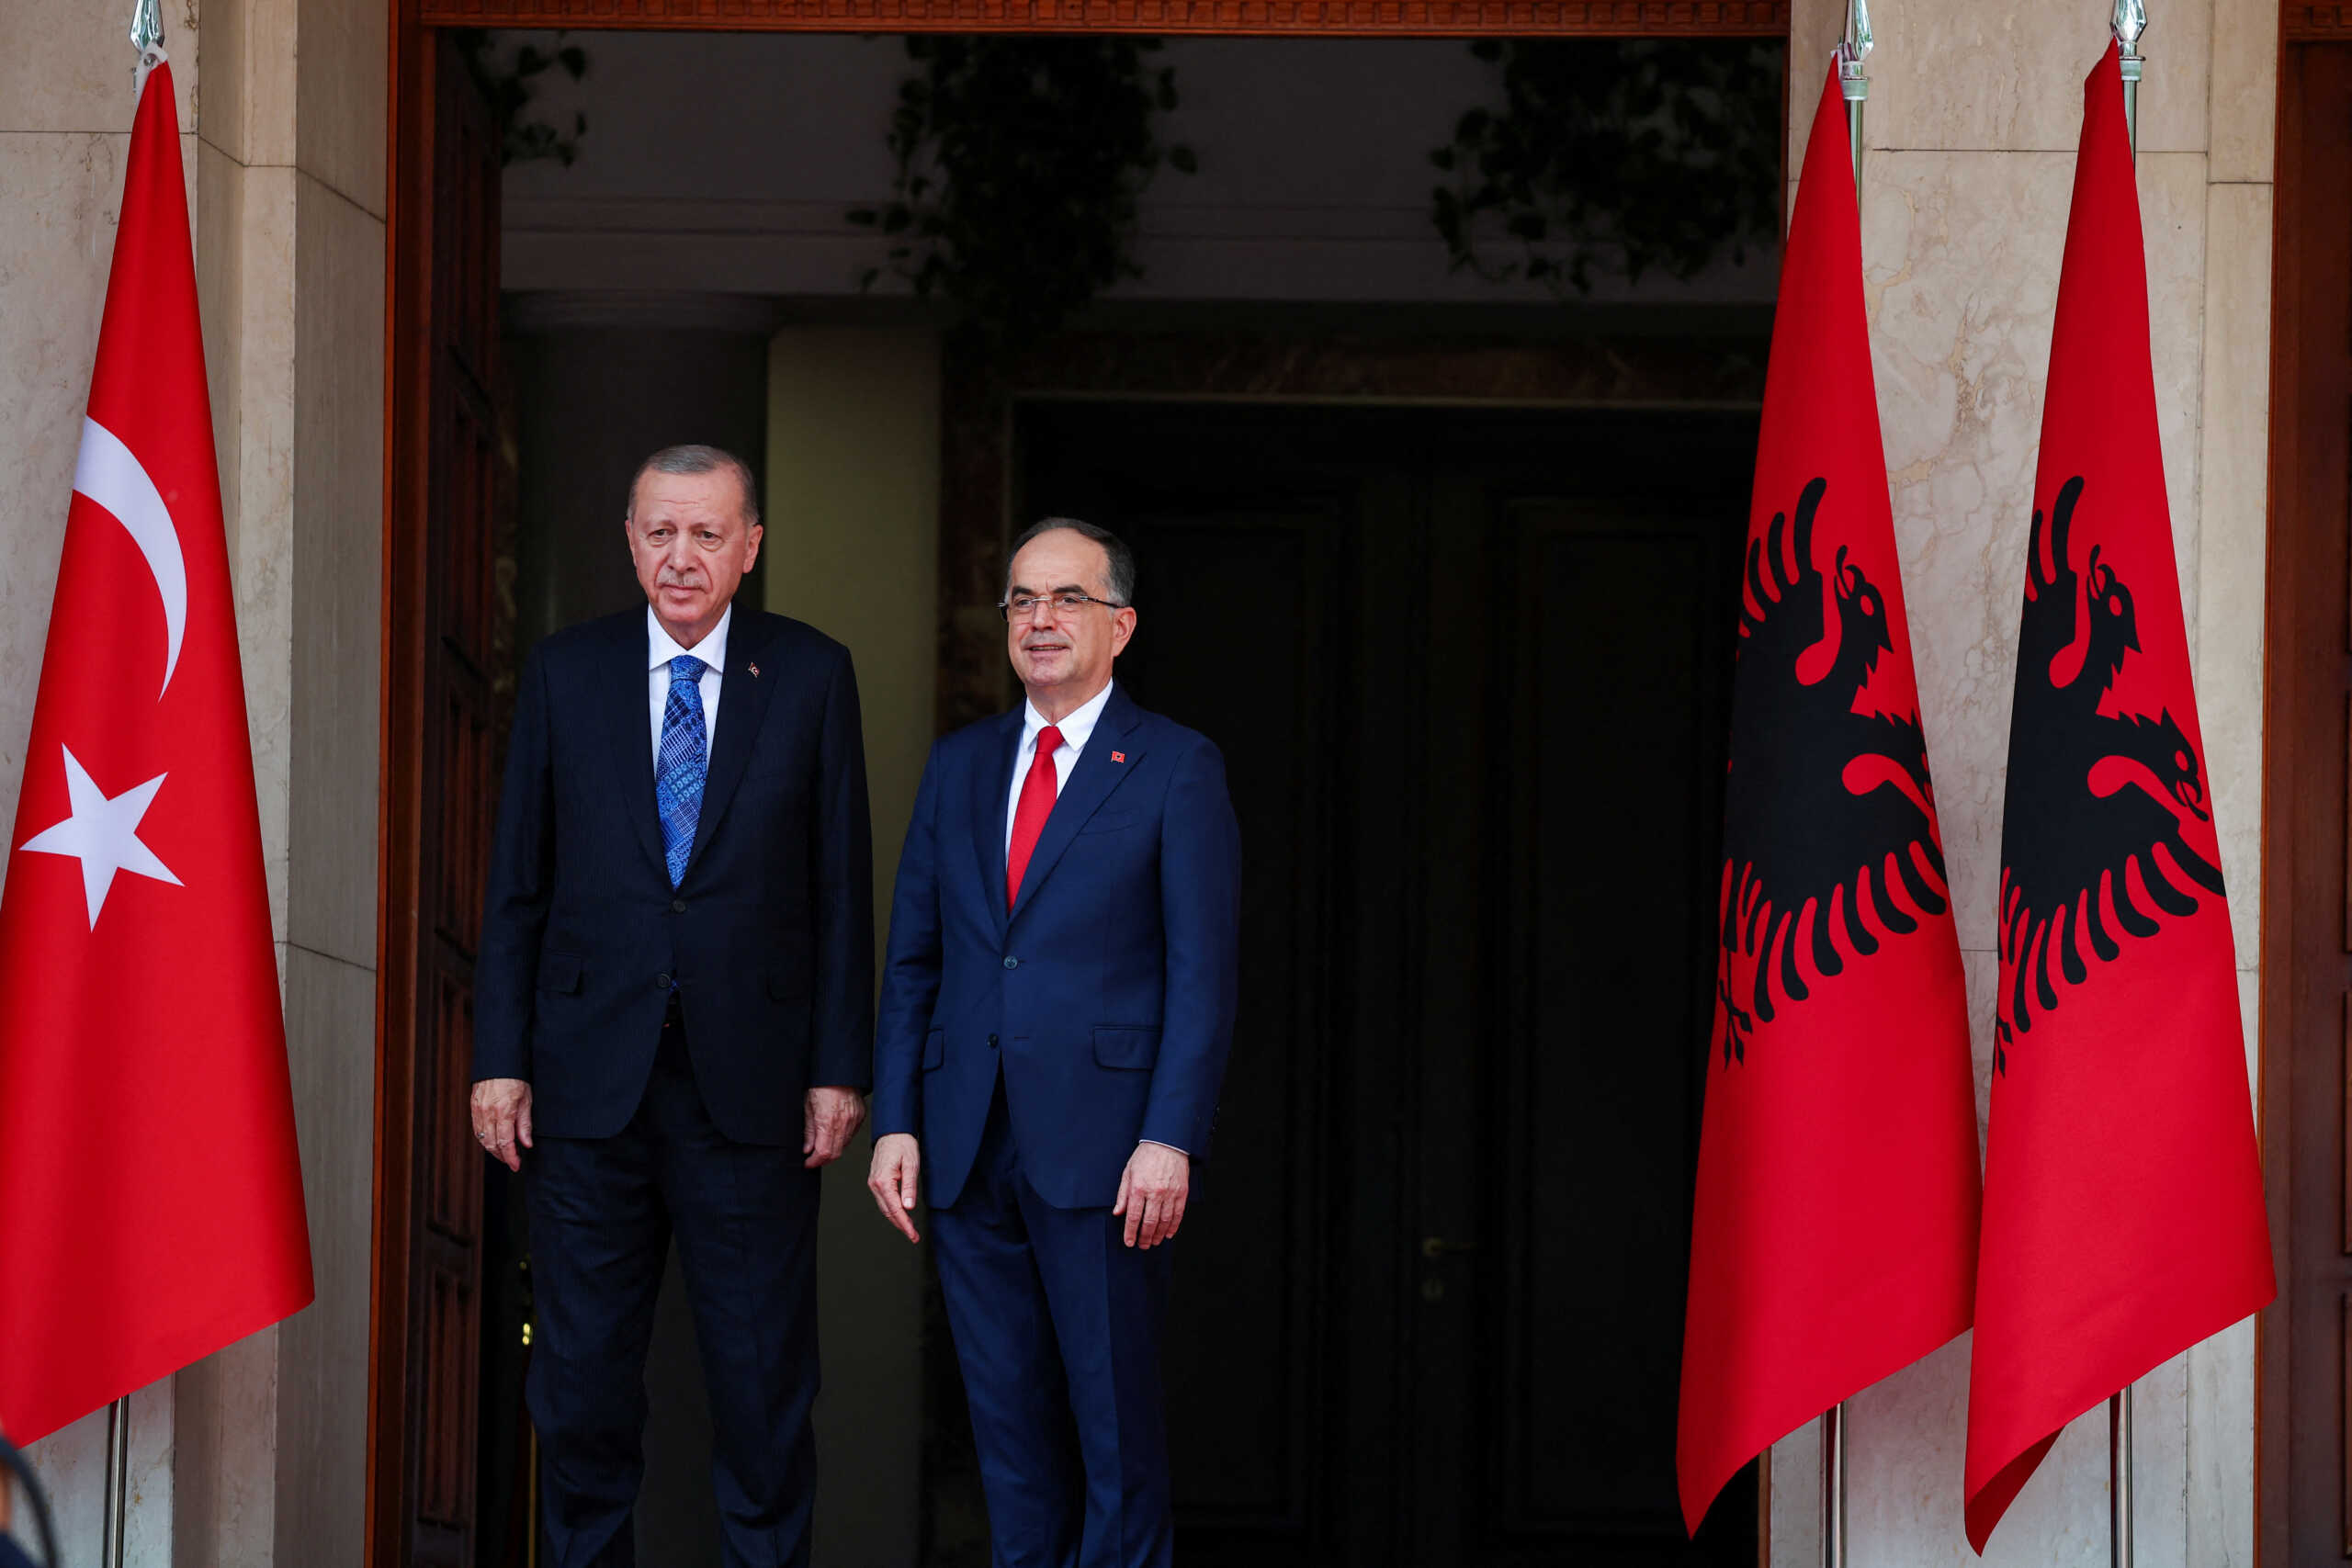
(1434, 1072)
(1469, 671)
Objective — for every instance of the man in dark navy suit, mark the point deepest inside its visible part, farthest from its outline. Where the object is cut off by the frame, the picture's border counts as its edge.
(673, 1010)
(1057, 1004)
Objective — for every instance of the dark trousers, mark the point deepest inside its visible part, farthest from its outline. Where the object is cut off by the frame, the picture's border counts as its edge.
(1058, 1328)
(602, 1211)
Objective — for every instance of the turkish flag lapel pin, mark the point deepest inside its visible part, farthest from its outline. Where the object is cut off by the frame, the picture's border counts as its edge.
(1118, 756)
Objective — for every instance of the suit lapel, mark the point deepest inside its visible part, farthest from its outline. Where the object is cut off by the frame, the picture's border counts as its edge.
(743, 708)
(1091, 783)
(625, 681)
(992, 789)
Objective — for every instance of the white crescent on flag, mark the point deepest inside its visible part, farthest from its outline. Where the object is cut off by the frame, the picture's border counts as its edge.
(108, 474)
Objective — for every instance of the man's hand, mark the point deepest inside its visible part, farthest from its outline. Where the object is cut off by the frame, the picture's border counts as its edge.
(503, 1119)
(834, 1115)
(1151, 1193)
(897, 1161)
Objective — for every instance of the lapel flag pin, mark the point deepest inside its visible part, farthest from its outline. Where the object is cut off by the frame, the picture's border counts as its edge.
(1118, 756)
(755, 672)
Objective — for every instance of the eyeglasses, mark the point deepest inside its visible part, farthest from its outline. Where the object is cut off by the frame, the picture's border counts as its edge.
(1021, 607)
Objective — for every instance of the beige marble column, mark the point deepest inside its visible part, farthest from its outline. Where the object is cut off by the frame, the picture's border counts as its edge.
(273, 1438)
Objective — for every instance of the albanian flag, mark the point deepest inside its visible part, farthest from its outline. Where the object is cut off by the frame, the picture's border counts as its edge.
(151, 1202)
(1834, 1237)
(2123, 1216)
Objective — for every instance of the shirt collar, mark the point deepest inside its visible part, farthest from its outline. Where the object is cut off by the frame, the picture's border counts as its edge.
(1076, 726)
(711, 650)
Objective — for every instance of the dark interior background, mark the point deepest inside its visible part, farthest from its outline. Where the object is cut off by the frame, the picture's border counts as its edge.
(1469, 670)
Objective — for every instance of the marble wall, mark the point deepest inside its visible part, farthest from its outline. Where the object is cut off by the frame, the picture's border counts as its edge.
(257, 1454)
(1970, 137)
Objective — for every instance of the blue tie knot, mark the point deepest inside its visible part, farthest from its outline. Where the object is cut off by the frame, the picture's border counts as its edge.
(686, 670)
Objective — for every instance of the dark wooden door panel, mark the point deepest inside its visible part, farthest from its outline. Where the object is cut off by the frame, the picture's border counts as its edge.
(1615, 722)
(2305, 1441)
(1256, 1321)
(440, 655)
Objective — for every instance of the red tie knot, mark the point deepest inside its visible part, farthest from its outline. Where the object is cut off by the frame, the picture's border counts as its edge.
(1049, 740)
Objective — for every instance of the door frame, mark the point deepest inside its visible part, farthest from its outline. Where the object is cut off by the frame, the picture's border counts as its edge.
(394, 1380)
(2297, 639)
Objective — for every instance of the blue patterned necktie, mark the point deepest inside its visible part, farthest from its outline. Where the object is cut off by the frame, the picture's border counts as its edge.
(678, 775)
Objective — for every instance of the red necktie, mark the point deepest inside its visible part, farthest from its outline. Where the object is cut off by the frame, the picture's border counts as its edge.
(1037, 793)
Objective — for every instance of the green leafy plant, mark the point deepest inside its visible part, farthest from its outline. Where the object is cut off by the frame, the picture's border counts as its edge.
(1616, 156)
(1020, 162)
(509, 72)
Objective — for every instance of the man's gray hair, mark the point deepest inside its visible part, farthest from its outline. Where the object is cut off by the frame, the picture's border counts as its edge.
(699, 459)
(1119, 582)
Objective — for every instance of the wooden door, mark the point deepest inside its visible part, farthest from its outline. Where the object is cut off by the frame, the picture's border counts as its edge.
(1467, 671)
(2306, 1439)
(441, 659)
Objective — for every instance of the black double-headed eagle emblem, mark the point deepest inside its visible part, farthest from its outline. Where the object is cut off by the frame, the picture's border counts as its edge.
(2090, 851)
(1829, 823)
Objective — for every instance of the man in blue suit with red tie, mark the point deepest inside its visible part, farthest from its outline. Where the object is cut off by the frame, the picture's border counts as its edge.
(1057, 1008)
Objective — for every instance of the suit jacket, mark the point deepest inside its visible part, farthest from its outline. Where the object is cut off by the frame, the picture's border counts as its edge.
(768, 940)
(1107, 993)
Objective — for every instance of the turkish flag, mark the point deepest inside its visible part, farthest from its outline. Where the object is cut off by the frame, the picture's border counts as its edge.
(150, 1203)
(1834, 1233)
(2123, 1216)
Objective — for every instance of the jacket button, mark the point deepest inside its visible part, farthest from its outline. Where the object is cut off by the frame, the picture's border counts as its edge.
(677, 905)
(1011, 961)
(662, 981)
(991, 1041)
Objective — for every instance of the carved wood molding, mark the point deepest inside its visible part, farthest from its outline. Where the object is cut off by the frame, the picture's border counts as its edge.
(2308, 23)
(1377, 18)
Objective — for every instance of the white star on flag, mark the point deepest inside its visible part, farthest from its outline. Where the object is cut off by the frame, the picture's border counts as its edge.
(103, 834)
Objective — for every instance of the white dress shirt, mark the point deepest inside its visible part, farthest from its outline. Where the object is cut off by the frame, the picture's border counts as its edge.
(711, 650)
(1076, 727)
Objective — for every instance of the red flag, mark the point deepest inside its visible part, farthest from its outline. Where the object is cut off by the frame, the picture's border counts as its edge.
(2124, 1214)
(150, 1204)
(1834, 1236)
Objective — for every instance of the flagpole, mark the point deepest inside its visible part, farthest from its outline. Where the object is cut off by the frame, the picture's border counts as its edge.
(117, 1483)
(1852, 49)
(2129, 19)
(147, 39)
(1833, 1485)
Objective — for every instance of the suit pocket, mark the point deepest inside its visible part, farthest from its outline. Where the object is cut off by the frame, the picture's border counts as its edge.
(560, 974)
(934, 1050)
(1111, 821)
(1131, 1046)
